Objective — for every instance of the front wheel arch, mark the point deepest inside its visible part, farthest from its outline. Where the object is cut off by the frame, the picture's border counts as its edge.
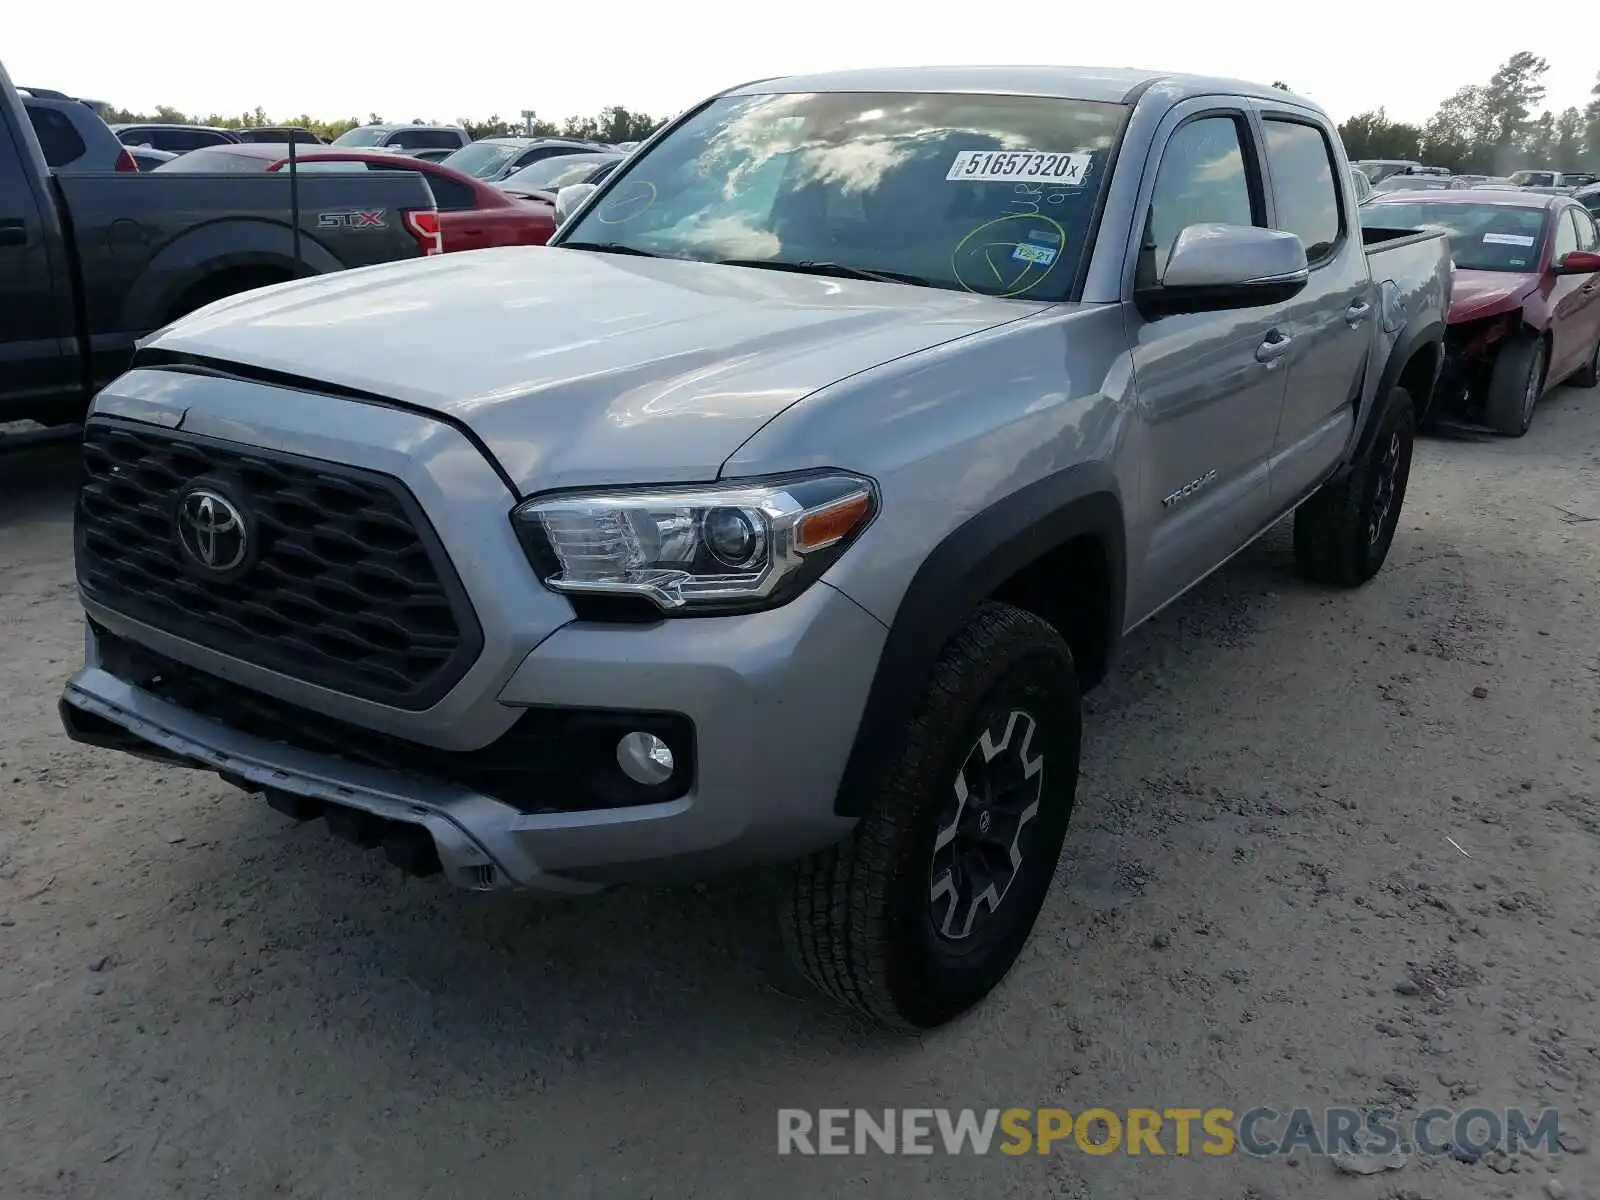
(983, 559)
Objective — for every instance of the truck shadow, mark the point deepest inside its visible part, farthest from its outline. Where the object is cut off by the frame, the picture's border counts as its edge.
(40, 475)
(634, 983)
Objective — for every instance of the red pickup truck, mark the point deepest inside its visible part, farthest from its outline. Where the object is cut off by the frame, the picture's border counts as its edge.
(472, 214)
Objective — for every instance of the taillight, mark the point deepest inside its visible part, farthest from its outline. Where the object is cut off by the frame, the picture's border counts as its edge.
(423, 224)
(125, 161)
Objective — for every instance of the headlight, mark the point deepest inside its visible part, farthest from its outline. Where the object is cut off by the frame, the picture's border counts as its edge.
(717, 548)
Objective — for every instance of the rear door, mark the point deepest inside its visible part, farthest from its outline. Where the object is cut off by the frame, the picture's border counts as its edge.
(1210, 385)
(1329, 325)
(38, 343)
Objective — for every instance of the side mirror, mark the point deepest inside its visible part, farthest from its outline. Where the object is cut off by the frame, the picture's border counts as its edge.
(1216, 267)
(569, 198)
(1578, 262)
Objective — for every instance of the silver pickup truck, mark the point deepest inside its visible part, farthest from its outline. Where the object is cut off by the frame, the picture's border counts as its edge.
(779, 512)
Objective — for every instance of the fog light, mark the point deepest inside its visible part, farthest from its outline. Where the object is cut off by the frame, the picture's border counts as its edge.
(645, 758)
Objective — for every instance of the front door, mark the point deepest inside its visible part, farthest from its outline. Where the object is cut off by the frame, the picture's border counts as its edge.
(1330, 323)
(1577, 298)
(38, 348)
(1210, 385)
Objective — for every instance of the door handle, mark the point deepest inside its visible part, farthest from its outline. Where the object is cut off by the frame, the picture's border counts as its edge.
(13, 232)
(1274, 348)
(1357, 313)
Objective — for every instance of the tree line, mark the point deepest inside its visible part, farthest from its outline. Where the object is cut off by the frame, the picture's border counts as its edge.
(612, 124)
(1488, 128)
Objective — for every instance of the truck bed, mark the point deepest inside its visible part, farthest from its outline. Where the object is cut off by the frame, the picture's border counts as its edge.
(147, 245)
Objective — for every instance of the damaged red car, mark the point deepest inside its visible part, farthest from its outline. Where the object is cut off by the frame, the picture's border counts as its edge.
(1525, 306)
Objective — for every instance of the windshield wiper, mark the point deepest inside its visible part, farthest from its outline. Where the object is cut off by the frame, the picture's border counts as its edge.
(838, 270)
(611, 248)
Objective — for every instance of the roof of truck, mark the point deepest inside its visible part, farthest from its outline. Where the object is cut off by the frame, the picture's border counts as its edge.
(1113, 84)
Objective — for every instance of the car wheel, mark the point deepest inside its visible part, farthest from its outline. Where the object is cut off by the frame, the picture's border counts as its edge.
(1515, 385)
(1342, 534)
(1589, 375)
(921, 912)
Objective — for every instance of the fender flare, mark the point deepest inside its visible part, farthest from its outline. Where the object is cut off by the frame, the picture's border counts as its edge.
(209, 249)
(1405, 349)
(969, 565)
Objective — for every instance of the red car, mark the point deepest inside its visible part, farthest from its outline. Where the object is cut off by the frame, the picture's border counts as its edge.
(472, 214)
(1525, 307)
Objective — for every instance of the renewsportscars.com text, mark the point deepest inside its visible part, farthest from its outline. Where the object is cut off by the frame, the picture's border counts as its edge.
(1260, 1132)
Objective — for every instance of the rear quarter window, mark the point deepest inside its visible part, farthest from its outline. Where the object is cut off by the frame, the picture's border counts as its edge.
(58, 138)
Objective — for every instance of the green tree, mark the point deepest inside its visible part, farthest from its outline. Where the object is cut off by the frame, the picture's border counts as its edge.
(1568, 148)
(1374, 135)
(1514, 91)
(1458, 135)
(1591, 127)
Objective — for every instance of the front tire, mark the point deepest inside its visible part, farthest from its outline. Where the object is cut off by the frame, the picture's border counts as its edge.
(922, 911)
(1515, 385)
(1342, 534)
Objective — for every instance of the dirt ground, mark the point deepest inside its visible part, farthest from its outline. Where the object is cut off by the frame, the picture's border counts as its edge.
(1329, 849)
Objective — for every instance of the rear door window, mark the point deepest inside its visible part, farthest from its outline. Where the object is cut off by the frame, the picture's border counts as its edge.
(1301, 164)
(58, 138)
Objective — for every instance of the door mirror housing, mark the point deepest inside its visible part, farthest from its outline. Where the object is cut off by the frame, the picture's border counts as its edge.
(569, 198)
(1578, 262)
(1218, 267)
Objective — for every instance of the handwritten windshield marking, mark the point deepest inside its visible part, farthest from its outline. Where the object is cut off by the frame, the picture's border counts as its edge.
(984, 248)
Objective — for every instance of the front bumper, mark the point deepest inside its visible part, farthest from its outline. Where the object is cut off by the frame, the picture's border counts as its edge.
(775, 699)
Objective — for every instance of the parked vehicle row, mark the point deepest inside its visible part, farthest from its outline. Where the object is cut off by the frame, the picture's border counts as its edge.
(180, 139)
(779, 524)
(90, 261)
(496, 158)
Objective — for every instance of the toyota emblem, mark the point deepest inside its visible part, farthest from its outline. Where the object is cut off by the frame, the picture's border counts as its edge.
(212, 530)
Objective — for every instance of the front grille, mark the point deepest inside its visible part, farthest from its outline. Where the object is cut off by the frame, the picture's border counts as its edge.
(550, 760)
(349, 588)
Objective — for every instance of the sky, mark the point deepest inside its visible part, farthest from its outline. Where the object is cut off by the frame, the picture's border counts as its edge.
(504, 56)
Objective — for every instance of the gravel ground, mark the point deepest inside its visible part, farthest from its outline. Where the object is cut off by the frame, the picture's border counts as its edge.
(1329, 849)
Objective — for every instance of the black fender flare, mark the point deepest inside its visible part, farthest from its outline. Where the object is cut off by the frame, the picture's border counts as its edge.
(1405, 349)
(970, 564)
(194, 256)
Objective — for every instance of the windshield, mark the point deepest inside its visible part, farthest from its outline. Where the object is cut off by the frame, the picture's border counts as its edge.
(983, 193)
(548, 174)
(366, 135)
(1483, 237)
(481, 160)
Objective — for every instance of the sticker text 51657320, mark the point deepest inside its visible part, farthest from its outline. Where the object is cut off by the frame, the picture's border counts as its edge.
(1019, 166)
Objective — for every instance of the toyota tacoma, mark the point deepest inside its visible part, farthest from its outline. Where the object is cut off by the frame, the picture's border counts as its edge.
(779, 512)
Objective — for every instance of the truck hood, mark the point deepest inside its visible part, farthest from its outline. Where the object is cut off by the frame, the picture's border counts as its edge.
(577, 367)
(1478, 294)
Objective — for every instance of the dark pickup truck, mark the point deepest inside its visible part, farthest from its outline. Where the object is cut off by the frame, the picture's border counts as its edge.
(90, 263)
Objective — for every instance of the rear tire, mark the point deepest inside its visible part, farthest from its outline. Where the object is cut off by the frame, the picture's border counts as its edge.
(922, 911)
(1342, 534)
(1515, 385)
(1589, 375)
